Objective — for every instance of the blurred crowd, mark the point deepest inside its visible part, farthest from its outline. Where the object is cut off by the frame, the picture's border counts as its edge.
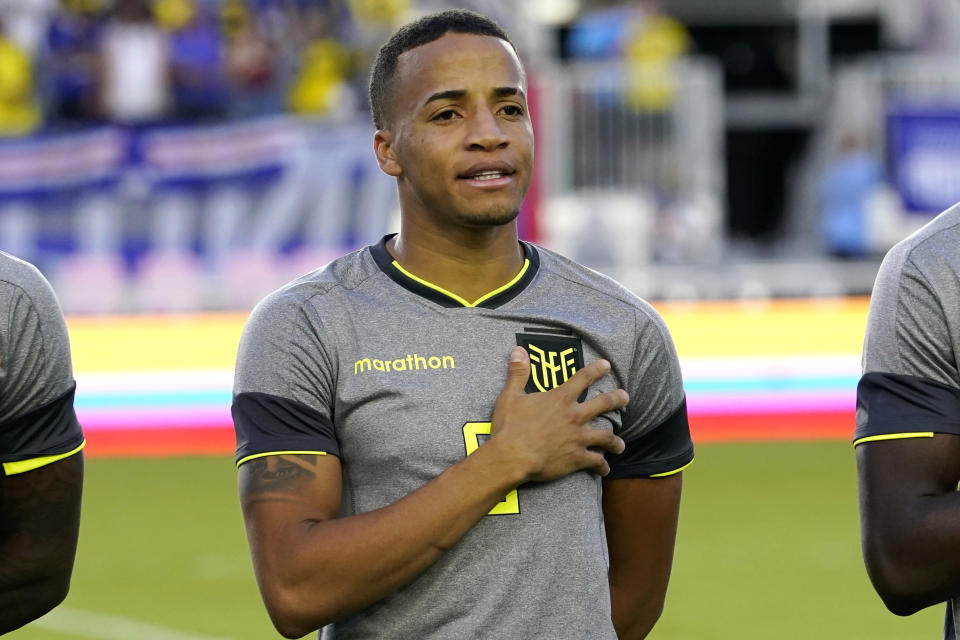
(70, 63)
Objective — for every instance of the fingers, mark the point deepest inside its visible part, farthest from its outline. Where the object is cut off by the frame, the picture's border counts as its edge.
(604, 402)
(518, 371)
(585, 377)
(597, 464)
(606, 440)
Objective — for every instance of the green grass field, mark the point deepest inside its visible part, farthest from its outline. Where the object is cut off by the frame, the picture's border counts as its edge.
(768, 548)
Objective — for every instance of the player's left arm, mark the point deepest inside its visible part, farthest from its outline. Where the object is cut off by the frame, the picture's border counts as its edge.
(641, 521)
(39, 526)
(641, 494)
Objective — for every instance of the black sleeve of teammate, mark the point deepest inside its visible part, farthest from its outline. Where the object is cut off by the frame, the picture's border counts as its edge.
(50, 429)
(268, 424)
(892, 405)
(661, 451)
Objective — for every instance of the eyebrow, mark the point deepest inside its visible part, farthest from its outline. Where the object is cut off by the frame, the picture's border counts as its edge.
(457, 94)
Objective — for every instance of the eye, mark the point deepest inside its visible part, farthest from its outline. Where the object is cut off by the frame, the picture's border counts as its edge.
(513, 110)
(446, 114)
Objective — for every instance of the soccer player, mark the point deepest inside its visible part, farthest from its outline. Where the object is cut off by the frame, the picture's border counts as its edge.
(455, 434)
(41, 463)
(908, 424)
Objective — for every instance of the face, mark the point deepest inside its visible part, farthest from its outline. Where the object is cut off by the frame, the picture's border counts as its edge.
(459, 138)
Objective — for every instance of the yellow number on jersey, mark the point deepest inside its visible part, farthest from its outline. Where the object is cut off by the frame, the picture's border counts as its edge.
(471, 440)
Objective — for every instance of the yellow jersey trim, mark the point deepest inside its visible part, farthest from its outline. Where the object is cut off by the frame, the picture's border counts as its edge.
(487, 296)
(670, 473)
(22, 466)
(279, 453)
(894, 436)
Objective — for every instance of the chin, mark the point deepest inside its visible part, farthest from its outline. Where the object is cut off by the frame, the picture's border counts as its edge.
(489, 218)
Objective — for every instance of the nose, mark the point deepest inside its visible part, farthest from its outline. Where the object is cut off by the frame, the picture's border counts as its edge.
(485, 132)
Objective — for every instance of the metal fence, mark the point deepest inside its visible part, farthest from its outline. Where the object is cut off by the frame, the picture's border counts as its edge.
(633, 162)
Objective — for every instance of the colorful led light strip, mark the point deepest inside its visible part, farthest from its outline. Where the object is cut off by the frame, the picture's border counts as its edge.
(159, 385)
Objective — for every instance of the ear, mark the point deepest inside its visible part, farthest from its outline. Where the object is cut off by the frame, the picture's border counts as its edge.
(386, 157)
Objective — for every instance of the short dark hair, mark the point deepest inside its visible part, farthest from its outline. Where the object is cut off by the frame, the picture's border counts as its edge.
(417, 33)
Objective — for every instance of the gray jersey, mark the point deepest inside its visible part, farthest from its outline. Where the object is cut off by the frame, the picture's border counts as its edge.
(37, 421)
(911, 382)
(398, 378)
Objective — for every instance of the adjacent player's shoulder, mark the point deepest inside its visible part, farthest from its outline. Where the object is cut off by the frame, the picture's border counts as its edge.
(931, 247)
(924, 263)
(915, 301)
(15, 272)
(21, 280)
(594, 287)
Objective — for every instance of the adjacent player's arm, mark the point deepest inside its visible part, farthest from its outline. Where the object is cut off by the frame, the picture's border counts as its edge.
(910, 519)
(39, 524)
(641, 521)
(908, 437)
(41, 464)
(314, 568)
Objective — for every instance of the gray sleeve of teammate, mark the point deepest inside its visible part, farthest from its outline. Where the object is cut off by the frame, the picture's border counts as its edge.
(910, 384)
(36, 368)
(911, 321)
(655, 426)
(284, 381)
(42, 469)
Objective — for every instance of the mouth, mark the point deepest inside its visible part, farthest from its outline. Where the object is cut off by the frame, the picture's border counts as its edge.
(488, 174)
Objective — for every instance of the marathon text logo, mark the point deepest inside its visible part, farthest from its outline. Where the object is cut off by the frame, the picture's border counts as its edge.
(409, 362)
(554, 357)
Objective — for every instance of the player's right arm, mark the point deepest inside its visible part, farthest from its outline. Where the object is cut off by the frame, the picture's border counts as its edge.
(908, 438)
(314, 568)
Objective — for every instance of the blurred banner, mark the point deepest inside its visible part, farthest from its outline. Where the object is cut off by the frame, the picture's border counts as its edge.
(182, 218)
(924, 154)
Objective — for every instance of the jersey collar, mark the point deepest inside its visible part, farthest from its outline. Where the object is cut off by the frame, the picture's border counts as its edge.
(441, 296)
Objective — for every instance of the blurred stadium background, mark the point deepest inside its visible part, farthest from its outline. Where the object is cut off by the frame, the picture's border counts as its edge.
(743, 164)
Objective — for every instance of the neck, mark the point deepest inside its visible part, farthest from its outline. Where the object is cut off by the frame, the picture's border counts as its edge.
(467, 262)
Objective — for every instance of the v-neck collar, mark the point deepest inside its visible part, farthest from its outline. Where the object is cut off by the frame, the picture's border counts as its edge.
(491, 300)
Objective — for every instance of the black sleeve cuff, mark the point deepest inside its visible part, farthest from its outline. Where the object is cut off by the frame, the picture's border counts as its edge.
(268, 425)
(660, 451)
(891, 405)
(50, 429)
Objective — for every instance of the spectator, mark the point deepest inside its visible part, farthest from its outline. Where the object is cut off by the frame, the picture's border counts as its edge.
(70, 62)
(134, 71)
(654, 41)
(846, 189)
(252, 64)
(198, 65)
(19, 109)
(320, 87)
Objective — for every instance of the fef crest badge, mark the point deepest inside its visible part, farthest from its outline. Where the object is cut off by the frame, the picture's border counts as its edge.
(554, 357)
